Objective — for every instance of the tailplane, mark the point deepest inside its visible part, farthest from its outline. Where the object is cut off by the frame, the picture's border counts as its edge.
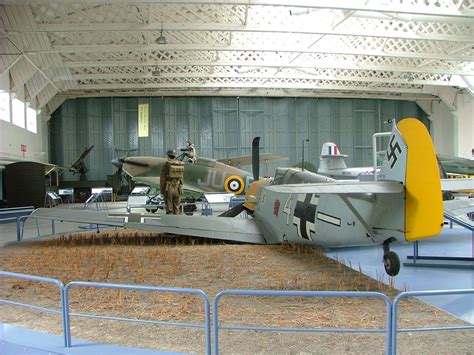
(331, 158)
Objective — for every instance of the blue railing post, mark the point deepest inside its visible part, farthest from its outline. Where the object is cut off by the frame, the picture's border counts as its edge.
(66, 319)
(53, 227)
(42, 279)
(18, 230)
(421, 294)
(38, 228)
(196, 292)
(388, 312)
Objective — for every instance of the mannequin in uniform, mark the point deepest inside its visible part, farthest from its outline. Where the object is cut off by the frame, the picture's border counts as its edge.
(171, 182)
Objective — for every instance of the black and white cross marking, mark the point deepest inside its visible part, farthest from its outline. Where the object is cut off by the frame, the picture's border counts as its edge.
(304, 215)
(392, 152)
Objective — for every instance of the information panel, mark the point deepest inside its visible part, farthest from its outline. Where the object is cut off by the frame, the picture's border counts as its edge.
(143, 120)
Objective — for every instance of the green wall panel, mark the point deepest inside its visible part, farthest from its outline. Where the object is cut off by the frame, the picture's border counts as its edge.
(221, 127)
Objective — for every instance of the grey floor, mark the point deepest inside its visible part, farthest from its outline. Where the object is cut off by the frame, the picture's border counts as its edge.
(458, 242)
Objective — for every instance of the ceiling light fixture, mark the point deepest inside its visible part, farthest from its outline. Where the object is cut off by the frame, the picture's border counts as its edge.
(161, 39)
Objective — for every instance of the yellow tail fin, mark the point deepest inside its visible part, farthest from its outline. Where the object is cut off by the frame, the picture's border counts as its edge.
(424, 201)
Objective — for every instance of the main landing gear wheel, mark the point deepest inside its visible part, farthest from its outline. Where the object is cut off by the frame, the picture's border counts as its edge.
(391, 262)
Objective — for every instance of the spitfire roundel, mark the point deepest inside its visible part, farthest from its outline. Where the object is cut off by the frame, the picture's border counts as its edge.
(234, 184)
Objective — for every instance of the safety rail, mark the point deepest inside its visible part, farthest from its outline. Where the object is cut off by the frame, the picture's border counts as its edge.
(15, 214)
(49, 310)
(407, 294)
(200, 293)
(216, 326)
(391, 309)
(98, 199)
(24, 218)
(66, 314)
(21, 227)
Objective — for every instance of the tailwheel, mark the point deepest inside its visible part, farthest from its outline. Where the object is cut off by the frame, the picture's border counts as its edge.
(391, 263)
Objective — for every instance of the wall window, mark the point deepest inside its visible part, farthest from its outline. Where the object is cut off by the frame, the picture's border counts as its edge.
(31, 119)
(4, 106)
(18, 113)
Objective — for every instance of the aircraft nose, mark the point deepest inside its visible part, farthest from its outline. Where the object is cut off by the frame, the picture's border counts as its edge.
(117, 162)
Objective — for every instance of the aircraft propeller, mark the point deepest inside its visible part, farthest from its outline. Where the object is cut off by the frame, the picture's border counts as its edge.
(236, 210)
(256, 158)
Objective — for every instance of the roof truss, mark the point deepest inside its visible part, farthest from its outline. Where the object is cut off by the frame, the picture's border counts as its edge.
(354, 48)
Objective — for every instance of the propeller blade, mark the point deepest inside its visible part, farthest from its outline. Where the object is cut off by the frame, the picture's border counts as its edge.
(234, 211)
(133, 162)
(117, 163)
(256, 158)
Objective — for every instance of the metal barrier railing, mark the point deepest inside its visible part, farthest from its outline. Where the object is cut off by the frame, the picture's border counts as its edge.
(65, 314)
(200, 293)
(403, 295)
(216, 325)
(391, 310)
(52, 222)
(19, 214)
(24, 218)
(49, 310)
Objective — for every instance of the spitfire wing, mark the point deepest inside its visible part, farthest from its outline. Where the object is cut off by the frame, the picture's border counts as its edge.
(342, 187)
(230, 229)
(247, 159)
(461, 212)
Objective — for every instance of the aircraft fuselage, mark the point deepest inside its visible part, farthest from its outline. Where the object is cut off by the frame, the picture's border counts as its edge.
(327, 220)
(205, 175)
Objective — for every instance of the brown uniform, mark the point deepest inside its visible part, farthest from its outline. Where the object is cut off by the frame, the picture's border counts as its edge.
(171, 185)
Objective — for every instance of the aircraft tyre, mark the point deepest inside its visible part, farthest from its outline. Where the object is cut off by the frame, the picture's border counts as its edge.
(391, 263)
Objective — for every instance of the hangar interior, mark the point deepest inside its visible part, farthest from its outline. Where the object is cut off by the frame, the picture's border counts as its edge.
(73, 74)
(210, 69)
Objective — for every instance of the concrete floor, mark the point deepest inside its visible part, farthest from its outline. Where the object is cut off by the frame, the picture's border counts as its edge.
(458, 242)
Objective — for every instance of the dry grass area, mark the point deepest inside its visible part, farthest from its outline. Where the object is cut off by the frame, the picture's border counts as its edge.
(131, 257)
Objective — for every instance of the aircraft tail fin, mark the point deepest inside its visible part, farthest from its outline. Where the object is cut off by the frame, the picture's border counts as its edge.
(411, 160)
(331, 158)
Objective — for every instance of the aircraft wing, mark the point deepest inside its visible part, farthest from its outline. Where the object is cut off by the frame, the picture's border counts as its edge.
(230, 229)
(247, 159)
(457, 184)
(460, 212)
(457, 165)
(342, 187)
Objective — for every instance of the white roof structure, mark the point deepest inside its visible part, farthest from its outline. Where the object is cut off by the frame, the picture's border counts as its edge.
(403, 49)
